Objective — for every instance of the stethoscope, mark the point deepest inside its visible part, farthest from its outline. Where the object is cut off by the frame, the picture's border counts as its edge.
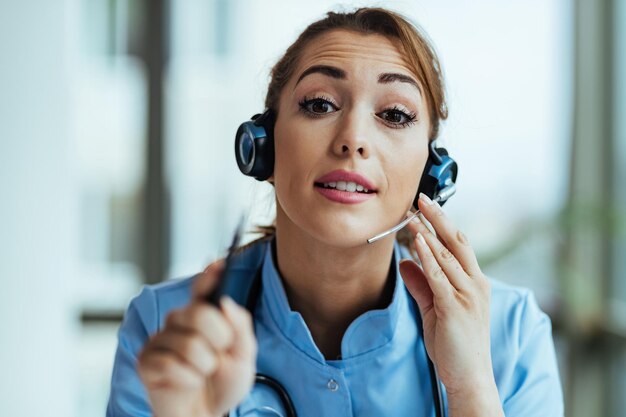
(255, 290)
(282, 393)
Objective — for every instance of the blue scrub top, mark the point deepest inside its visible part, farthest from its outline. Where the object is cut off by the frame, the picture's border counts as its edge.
(383, 369)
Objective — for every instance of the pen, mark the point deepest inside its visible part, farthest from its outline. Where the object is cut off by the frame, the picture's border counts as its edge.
(214, 296)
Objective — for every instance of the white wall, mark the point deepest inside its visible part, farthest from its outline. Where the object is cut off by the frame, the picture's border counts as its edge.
(37, 321)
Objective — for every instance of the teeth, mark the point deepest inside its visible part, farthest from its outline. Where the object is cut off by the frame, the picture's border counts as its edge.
(346, 186)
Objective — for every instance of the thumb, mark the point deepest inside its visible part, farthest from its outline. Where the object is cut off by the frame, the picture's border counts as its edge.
(417, 284)
(206, 281)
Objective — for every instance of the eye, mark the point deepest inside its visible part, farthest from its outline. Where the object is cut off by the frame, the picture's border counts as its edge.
(317, 106)
(397, 117)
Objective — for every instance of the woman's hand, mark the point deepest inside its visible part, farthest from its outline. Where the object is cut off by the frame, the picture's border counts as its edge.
(204, 360)
(453, 296)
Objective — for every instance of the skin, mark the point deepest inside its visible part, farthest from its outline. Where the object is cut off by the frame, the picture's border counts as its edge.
(331, 275)
(352, 135)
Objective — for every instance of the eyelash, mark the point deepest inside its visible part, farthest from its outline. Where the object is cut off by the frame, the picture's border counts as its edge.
(411, 117)
(306, 102)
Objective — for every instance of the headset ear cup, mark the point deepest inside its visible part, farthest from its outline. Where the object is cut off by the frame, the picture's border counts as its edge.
(428, 184)
(440, 171)
(254, 146)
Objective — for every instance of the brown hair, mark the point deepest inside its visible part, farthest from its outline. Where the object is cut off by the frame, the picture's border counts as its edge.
(410, 40)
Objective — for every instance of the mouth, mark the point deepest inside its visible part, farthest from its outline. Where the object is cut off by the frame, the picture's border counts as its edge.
(348, 186)
(348, 181)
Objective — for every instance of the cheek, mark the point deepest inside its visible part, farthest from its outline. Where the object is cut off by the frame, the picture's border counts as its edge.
(283, 149)
(404, 178)
(295, 155)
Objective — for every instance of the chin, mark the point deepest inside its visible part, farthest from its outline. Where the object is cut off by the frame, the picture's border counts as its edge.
(339, 227)
(343, 232)
(342, 240)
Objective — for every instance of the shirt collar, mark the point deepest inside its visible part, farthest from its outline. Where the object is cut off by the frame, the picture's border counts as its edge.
(370, 331)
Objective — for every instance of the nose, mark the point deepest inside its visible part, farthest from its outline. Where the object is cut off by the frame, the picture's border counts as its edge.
(351, 136)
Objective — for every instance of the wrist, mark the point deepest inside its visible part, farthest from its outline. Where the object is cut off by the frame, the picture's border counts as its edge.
(477, 400)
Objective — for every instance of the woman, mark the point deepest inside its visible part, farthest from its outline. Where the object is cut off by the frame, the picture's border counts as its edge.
(356, 101)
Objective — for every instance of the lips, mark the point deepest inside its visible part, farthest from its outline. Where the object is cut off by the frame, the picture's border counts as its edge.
(345, 187)
(341, 178)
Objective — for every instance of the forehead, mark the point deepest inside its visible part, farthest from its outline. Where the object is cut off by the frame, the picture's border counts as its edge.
(354, 51)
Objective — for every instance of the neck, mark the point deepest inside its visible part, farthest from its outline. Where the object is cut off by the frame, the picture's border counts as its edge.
(330, 286)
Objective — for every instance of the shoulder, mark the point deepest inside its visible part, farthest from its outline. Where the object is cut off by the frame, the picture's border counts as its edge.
(514, 314)
(155, 301)
(523, 355)
(513, 310)
(509, 298)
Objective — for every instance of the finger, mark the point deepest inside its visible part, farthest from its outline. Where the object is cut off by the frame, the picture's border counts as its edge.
(429, 226)
(437, 279)
(244, 345)
(446, 260)
(189, 348)
(417, 284)
(205, 320)
(452, 237)
(206, 281)
(159, 368)
(413, 225)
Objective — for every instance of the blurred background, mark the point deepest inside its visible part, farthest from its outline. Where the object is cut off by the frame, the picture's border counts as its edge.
(117, 120)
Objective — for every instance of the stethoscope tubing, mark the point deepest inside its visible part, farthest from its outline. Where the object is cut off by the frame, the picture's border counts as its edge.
(284, 395)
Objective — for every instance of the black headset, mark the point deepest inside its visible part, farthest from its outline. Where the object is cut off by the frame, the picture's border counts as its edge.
(254, 151)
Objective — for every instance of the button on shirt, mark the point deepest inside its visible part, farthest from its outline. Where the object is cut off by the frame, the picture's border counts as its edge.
(383, 369)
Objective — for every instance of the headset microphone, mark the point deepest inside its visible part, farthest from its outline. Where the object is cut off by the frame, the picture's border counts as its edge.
(437, 182)
(445, 194)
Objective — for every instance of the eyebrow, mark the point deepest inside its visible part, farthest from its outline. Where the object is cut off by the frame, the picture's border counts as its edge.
(390, 77)
(327, 70)
(339, 74)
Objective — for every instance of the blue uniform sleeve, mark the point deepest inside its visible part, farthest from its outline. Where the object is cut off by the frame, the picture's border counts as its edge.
(535, 388)
(128, 396)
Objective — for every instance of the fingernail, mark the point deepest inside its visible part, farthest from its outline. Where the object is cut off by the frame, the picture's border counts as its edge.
(426, 200)
(227, 302)
(421, 238)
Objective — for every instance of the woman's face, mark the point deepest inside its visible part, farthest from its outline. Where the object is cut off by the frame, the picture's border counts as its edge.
(352, 116)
